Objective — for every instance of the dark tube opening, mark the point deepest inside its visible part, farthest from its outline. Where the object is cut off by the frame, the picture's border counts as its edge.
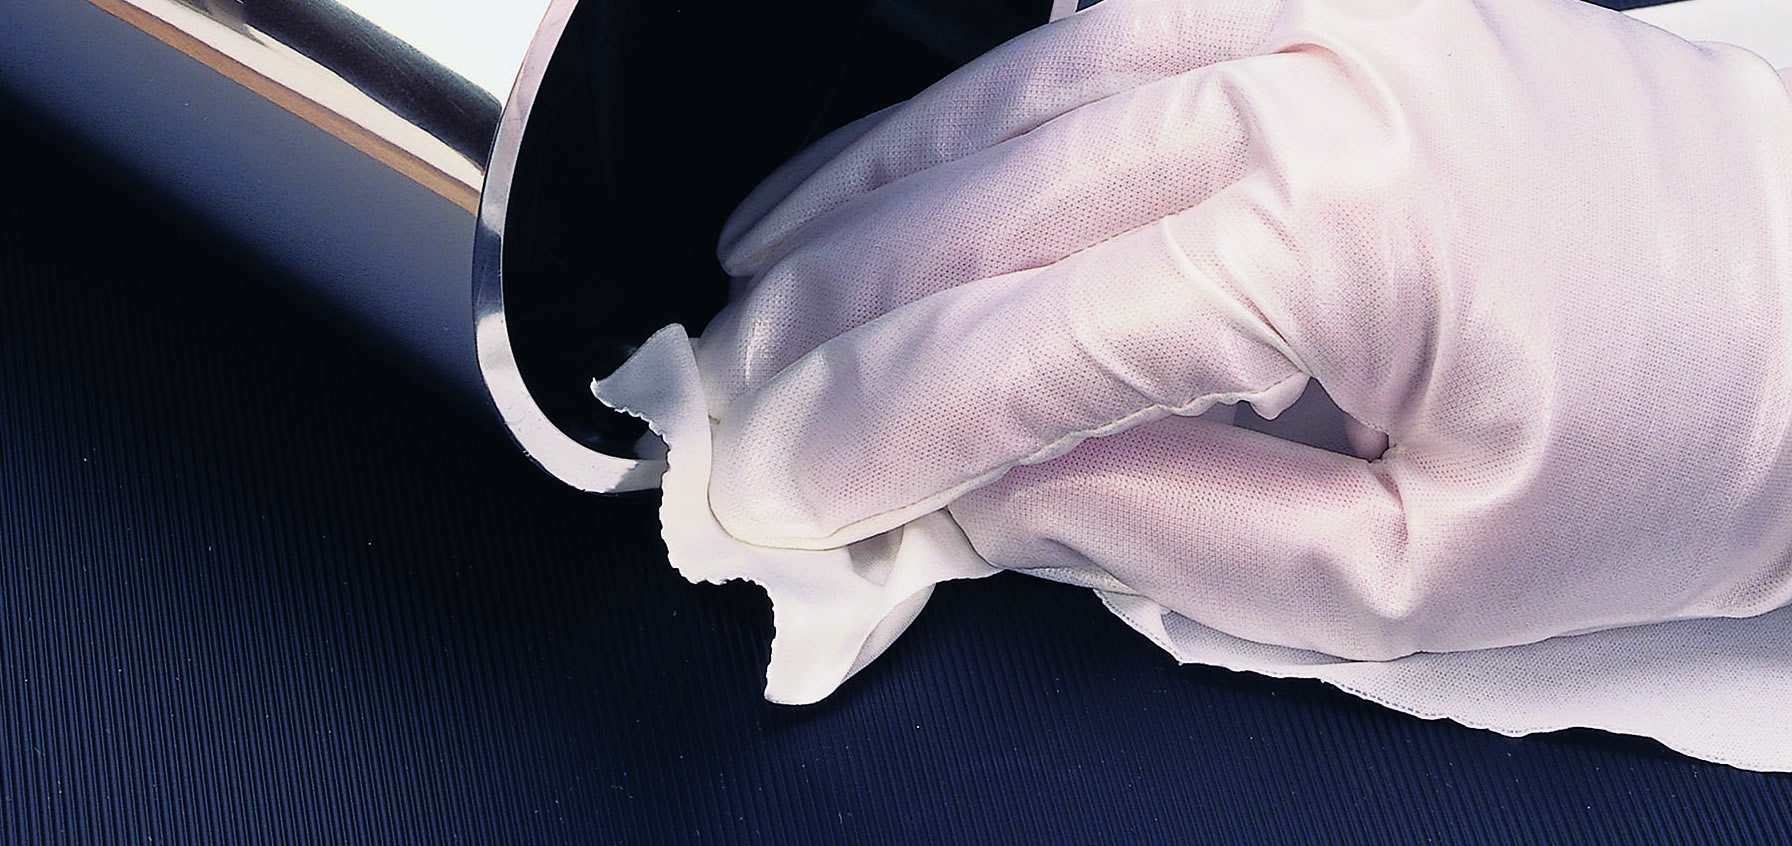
(652, 121)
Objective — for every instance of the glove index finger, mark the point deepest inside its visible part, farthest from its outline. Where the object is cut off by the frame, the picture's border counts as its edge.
(1011, 90)
(903, 414)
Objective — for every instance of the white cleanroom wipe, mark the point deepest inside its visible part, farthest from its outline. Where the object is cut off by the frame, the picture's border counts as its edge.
(834, 609)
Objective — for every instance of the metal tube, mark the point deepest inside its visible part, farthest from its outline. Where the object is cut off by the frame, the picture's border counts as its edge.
(368, 146)
(511, 193)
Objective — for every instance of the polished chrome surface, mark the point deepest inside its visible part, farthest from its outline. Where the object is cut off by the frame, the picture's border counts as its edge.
(370, 149)
(336, 65)
(367, 146)
(568, 460)
(358, 210)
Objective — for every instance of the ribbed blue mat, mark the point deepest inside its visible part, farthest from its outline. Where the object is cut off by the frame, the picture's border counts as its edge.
(258, 587)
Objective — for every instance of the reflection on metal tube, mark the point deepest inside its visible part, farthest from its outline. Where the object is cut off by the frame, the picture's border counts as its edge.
(572, 461)
(509, 192)
(440, 95)
(444, 155)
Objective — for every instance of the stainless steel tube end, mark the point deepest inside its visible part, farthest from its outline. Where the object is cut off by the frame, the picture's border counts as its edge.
(589, 463)
(512, 194)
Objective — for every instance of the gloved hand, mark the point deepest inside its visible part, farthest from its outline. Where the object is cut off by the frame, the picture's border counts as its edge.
(1545, 249)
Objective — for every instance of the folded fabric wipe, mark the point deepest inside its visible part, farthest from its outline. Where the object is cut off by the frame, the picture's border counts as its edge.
(1714, 689)
(835, 609)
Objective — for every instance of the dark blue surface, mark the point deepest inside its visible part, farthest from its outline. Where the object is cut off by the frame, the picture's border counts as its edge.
(258, 586)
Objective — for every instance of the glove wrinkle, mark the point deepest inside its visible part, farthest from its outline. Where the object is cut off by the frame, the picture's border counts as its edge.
(1539, 253)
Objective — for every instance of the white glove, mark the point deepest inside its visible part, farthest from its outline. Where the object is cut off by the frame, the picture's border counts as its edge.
(1546, 249)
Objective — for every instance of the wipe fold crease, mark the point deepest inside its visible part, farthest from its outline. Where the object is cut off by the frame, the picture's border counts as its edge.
(834, 609)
